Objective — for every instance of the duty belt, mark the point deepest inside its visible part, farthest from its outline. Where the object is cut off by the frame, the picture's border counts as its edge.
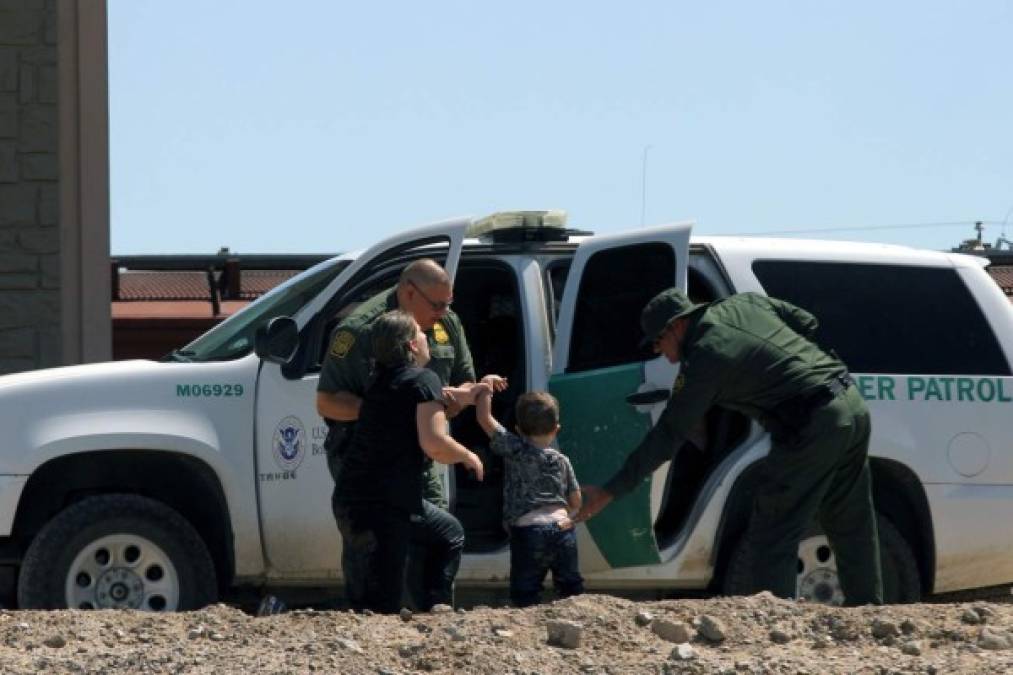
(786, 418)
(839, 385)
(828, 392)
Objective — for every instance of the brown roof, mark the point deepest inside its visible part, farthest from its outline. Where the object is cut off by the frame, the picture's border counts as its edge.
(1003, 275)
(147, 285)
(257, 282)
(174, 309)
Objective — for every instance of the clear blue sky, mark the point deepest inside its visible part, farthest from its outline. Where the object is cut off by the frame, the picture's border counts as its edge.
(315, 126)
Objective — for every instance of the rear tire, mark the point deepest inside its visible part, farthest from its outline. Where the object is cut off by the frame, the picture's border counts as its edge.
(117, 552)
(817, 578)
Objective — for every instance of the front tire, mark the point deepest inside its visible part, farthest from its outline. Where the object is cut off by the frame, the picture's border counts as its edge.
(117, 552)
(817, 568)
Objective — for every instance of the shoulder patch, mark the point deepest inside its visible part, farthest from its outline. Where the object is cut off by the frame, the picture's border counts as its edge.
(342, 342)
(440, 333)
(680, 382)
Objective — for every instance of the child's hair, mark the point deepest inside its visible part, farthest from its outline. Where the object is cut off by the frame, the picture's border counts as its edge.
(390, 335)
(537, 413)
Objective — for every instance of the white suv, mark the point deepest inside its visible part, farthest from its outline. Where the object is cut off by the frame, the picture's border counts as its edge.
(163, 485)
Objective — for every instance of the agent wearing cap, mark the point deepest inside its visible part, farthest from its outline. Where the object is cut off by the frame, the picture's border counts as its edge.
(425, 291)
(754, 355)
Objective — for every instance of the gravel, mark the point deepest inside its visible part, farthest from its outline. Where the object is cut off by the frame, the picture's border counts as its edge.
(593, 634)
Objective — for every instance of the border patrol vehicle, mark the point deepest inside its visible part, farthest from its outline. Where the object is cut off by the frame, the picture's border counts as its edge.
(164, 485)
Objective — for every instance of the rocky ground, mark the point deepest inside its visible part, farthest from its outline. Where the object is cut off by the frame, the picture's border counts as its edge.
(586, 634)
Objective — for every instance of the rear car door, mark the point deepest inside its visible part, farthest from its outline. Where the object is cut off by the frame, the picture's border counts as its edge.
(294, 485)
(597, 363)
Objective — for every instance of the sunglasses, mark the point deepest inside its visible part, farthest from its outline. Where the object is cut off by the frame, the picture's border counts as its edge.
(437, 305)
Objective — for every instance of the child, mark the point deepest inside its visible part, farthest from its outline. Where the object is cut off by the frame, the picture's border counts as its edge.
(540, 494)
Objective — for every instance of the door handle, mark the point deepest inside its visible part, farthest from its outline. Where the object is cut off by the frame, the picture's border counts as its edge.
(648, 397)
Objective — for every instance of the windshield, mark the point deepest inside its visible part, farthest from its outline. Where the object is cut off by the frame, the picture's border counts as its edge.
(233, 337)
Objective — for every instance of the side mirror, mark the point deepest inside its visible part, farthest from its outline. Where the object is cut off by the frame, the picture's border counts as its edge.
(278, 341)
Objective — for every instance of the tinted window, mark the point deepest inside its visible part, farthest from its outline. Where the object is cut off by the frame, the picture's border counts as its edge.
(615, 286)
(890, 319)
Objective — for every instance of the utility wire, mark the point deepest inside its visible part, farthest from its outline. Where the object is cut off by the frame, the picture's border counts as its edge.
(867, 228)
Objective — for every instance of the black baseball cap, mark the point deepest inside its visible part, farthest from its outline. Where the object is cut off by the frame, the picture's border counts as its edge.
(662, 309)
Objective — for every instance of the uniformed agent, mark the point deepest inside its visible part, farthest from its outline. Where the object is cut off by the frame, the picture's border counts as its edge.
(755, 355)
(423, 290)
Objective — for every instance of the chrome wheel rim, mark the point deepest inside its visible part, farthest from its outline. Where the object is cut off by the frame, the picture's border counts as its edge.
(122, 571)
(817, 572)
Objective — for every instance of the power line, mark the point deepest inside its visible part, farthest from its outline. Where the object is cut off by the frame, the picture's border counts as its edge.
(868, 228)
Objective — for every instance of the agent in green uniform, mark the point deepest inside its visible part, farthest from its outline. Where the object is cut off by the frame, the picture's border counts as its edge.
(423, 290)
(755, 355)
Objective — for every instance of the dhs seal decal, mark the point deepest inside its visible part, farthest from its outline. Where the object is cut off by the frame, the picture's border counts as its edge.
(289, 443)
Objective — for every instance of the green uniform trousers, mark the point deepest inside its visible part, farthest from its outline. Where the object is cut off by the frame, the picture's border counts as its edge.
(823, 472)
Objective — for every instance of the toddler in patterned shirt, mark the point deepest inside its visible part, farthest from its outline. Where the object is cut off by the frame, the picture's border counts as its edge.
(540, 495)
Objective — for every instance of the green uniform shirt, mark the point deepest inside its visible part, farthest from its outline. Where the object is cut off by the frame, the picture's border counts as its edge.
(350, 355)
(747, 353)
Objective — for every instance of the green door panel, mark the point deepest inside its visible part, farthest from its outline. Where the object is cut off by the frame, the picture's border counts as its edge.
(599, 429)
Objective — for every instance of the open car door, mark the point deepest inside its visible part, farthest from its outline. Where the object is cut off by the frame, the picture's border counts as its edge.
(294, 485)
(597, 363)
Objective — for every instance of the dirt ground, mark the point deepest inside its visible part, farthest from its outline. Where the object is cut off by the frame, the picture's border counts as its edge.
(589, 634)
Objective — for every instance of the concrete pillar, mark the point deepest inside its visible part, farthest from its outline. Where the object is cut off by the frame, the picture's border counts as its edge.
(83, 199)
(54, 184)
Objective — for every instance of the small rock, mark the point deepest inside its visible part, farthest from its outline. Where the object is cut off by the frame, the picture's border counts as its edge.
(711, 628)
(441, 609)
(884, 628)
(912, 648)
(565, 634)
(350, 645)
(423, 628)
(455, 634)
(195, 633)
(678, 632)
(821, 642)
(216, 637)
(406, 614)
(908, 627)
(643, 618)
(683, 652)
(461, 610)
(502, 632)
(994, 640)
(780, 636)
(55, 641)
(984, 612)
(971, 617)
(408, 651)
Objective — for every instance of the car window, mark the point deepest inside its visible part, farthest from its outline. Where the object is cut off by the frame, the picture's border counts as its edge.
(233, 338)
(890, 318)
(614, 287)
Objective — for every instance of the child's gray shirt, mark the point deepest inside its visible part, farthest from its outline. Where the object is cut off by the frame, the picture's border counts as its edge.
(534, 477)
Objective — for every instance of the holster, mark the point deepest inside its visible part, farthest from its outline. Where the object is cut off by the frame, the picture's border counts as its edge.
(339, 437)
(786, 419)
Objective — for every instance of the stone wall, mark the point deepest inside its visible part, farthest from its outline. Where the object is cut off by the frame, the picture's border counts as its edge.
(30, 333)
